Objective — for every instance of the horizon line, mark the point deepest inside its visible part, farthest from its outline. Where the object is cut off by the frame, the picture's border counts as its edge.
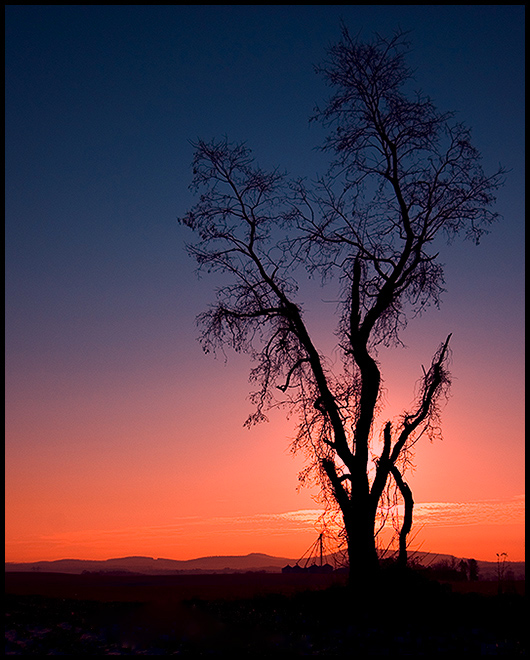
(426, 515)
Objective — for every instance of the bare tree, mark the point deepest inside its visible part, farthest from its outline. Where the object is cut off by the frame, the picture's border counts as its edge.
(402, 176)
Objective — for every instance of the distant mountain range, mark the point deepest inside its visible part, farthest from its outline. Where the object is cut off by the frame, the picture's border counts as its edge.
(150, 566)
(224, 564)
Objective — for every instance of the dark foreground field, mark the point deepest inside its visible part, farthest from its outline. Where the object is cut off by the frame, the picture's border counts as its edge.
(254, 615)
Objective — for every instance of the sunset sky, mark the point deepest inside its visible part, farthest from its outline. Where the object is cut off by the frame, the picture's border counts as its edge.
(122, 438)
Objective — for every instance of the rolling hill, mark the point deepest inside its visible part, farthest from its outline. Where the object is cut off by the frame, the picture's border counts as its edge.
(223, 564)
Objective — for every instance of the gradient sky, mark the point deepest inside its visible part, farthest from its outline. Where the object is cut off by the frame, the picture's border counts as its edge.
(122, 438)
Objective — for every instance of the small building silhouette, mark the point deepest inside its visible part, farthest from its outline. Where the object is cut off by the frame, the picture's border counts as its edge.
(292, 569)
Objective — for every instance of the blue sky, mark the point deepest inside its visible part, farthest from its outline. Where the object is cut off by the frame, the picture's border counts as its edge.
(102, 103)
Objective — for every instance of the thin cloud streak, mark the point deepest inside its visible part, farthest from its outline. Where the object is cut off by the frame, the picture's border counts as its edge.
(485, 512)
(432, 514)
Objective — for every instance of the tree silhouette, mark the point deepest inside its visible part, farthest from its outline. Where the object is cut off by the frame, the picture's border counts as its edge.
(473, 570)
(402, 176)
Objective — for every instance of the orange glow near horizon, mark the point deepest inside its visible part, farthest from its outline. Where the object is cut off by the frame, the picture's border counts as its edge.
(136, 480)
(153, 472)
(474, 530)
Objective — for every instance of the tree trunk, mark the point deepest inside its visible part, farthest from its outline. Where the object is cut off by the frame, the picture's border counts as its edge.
(362, 552)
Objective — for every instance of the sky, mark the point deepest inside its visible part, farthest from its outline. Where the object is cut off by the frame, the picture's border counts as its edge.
(122, 437)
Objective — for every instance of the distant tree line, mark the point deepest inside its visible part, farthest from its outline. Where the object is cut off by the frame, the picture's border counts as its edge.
(453, 570)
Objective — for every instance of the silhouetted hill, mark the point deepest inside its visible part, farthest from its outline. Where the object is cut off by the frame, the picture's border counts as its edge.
(147, 565)
(229, 564)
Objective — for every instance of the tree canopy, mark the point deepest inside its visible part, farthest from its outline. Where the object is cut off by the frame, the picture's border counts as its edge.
(402, 176)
